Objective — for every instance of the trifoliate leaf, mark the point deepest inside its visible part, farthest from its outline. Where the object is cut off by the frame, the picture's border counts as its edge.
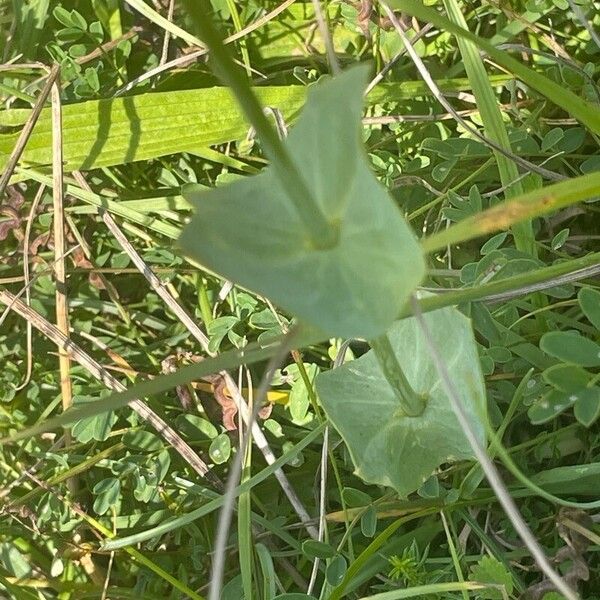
(250, 231)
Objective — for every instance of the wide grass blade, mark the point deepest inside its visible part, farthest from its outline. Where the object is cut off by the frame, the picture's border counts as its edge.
(102, 133)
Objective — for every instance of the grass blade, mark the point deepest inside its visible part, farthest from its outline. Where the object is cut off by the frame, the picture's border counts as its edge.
(493, 125)
(585, 112)
(102, 133)
(249, 354)
(527, 206)
(424, 590)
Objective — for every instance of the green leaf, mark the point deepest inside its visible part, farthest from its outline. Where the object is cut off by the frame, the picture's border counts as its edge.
(299, 400)
(494, 243)
(78, 20)
(196, 428)
(387, 447)
(107, 493)
(560, 238)
(14, 561)
(430, 489)
(251, 233)
(220, 449)
(63, 16)
(368, 522)
(589, 300)
(587, 406)
(314, 549)
(550, 405)
(552, 138)
(138, 439)
(336, 570)
(218, 328)
(93, 428)
(573, 479)
(567, 378)
(353, 497)
(571, 347)
(491, 570)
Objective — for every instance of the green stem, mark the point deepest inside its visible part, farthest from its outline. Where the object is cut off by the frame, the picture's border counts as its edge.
(525, 206)
(322, 233)
(412, 403)
(501, 290)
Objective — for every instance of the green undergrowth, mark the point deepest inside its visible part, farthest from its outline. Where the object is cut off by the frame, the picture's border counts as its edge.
(373, 237)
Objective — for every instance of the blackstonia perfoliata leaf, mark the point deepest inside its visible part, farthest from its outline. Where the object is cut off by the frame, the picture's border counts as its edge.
(250, 231)
(388, 447)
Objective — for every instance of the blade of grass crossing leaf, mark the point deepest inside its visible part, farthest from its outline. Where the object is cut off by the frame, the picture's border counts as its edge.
(215, 504)
(585, 112)
(526, 206)
(249, 354)
(493, 124)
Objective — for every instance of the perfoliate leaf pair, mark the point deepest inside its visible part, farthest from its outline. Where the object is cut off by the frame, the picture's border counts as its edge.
(250, 231)
(387, 446)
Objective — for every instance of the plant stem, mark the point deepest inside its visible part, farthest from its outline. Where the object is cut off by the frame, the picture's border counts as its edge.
(323, 234)
(526, 206)
(412, 403)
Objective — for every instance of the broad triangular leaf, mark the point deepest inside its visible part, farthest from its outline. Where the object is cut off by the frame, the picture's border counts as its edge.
(387, 447)
(250, 231)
